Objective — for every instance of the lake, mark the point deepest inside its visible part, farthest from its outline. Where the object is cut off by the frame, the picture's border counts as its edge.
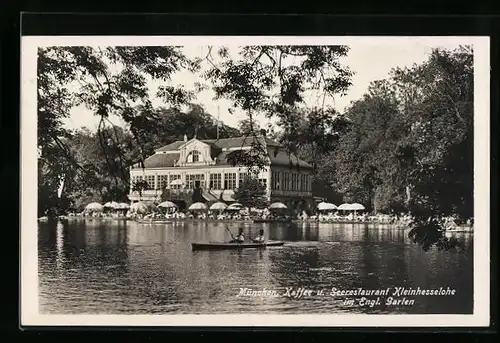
(119, 267)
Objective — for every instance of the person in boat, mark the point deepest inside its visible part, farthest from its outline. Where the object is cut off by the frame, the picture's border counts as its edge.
(240, 238)
(260, 238)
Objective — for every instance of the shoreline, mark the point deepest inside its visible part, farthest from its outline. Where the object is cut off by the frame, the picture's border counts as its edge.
(458, 229)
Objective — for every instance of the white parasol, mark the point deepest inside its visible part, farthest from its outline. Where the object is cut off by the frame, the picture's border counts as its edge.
(277, 205)
(325, 206)
(111, 204)
(197, 206)
(234, 207)
(220, 206)
(94, 207)
(356, 207)
(167, 204)
(344, 207)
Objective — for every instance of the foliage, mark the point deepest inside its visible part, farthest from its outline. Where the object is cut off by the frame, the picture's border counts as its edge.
(438, 152)
(255, 158)
(315, 132)
(172, 124)
(140, 186)
(251, 193)
(249, 127)
(274, 80)
(315, 136)
(406, 145)
(410, 144)
(108, 81)
(364, 163)
(185, 195)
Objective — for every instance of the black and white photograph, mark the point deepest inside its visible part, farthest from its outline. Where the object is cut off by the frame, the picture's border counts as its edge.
(242, 179)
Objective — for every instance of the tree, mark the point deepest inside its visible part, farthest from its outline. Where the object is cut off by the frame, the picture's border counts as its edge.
(438, 152)
(313, 139)
(186, 196)
(173, 124)
(274, 80)
(409, 145)
(251, 193)
(108, 81)
(249, 126)
(364, 163)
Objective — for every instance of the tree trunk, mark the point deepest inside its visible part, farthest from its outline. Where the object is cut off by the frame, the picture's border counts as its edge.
(408, 196)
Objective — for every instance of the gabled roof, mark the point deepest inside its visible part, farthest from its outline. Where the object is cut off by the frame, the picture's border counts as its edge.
(160, 160)
(281, 158)
(239, 142)
(284, 158)
(277, 156)
(224, 143)
(171, 147)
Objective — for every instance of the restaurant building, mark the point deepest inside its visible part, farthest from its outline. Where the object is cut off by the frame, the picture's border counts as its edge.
(202, 165)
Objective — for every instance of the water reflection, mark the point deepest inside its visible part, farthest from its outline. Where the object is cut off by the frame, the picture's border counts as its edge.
(125, 267)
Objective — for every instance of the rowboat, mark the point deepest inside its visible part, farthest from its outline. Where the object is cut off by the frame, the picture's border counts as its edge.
(221, 246)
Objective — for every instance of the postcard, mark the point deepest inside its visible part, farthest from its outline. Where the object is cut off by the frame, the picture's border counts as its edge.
(255, 181)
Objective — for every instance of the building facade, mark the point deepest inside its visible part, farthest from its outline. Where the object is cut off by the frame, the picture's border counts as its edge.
(183, 166)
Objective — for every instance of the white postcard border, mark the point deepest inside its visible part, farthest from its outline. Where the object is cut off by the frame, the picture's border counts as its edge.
(28, 176)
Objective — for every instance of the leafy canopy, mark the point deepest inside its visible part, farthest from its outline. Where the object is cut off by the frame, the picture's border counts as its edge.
(251, 193)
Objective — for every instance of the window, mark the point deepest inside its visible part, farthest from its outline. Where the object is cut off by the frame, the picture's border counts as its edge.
(136, 179)
(229, 180)
(263, 183)
(150, 179)
(174, 177)
(215, 181)
(275, 182)
(162, 181)
(285, 181)
(195, 181)
(196, 156)
(243, 176)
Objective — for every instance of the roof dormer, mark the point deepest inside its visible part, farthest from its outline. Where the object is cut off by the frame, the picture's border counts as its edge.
(195, 152)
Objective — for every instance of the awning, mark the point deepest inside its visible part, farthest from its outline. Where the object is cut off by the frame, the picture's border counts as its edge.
(209, 196)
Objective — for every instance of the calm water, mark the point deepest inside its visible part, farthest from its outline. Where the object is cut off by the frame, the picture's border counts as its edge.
(130, 268)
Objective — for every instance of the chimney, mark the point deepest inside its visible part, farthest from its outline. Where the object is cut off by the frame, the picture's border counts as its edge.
(185, 138)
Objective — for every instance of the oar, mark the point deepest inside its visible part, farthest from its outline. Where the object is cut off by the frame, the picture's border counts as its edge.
(230, 232)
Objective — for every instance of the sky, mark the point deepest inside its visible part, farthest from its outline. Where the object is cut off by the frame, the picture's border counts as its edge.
(368, 61)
